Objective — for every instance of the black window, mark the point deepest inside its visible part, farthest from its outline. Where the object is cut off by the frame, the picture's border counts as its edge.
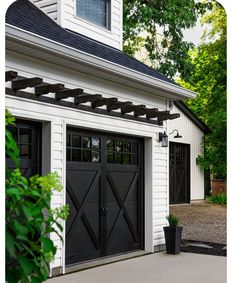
(27, 135)
(95, 11)
(23, 138)
(122, 152)
(83, 148)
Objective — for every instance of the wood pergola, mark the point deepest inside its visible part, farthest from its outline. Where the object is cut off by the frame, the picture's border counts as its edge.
(140, 112)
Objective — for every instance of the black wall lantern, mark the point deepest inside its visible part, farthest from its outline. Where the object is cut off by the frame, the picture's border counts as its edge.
(177, 136)
(163, 137)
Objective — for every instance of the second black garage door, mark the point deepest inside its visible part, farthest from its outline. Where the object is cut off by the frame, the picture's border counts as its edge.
(179, 173)
(105, 194)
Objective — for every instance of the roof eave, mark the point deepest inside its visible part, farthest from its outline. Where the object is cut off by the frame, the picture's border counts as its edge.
(165, 89)
(193, 117)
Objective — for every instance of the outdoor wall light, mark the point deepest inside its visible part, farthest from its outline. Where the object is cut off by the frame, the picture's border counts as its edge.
(177, 136)
(163, 138)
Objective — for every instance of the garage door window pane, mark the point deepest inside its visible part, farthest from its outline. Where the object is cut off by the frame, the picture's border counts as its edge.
(95, 143)
(76, 155)
(95, 156)
(127, 147)
(119, 158)
(76, 141)
(86, 156)
(109, 145)
(110, 158)
(86, 143)
(25, 151)
(127, 159)
(25, 135)
(119, 146)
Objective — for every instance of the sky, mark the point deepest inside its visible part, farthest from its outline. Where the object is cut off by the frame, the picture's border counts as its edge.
(194, 34)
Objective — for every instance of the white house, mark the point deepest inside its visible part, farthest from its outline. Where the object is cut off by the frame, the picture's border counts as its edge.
(93, 114)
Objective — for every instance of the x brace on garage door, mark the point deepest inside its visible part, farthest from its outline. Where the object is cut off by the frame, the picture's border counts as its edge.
(114, 107)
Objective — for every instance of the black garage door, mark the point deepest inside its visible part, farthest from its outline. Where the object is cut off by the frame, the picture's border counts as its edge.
(105, 194)
(179, 173)
(27, 135)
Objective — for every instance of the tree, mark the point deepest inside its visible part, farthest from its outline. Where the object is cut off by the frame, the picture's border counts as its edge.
(29, 220)
(168, 52)
(208, 79)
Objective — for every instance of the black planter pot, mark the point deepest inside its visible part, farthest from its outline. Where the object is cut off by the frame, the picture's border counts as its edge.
(173, 239)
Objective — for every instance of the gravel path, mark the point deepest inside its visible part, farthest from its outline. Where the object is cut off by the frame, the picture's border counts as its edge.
(202, 221)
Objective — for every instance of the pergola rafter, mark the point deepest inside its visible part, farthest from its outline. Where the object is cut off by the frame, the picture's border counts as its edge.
(97, 101)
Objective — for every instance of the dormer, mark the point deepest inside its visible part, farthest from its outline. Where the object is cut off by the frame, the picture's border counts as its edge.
(100, 20)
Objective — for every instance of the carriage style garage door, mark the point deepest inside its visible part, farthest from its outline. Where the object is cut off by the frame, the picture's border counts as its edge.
(179, 179)
(105, 193)
(27, 135)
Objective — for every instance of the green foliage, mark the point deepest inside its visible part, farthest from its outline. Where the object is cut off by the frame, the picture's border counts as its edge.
(173, 220)
(218, 199)
(208, 79)
(11, 148)
(29, 220)
(168, 17)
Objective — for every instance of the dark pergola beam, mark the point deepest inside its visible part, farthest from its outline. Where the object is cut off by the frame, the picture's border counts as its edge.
(140, 112)
(131, 108)
(155, 113)
(10, 75)
(87, 98)
(24, 83)
(162, 113)
(45, 88)
(112, 103)
(68, 93)
(104, 101)
(118, 105)
(151, 113)
(169, 117)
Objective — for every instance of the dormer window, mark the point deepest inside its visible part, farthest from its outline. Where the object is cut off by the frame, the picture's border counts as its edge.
(95, 11)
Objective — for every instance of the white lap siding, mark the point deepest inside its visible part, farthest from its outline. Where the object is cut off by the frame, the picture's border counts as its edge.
(49, 7)
(156, 161)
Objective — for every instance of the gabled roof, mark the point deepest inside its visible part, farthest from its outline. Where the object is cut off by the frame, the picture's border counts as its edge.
(189, 113)
(25, 15)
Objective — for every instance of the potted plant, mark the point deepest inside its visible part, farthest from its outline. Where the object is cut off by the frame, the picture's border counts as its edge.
(173, 234)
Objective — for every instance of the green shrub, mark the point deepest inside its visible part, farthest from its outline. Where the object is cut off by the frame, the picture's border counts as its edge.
(219, 199)
(173, 220)
(29, 220)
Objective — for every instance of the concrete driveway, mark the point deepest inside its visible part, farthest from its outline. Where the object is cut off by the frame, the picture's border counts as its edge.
(154, 268)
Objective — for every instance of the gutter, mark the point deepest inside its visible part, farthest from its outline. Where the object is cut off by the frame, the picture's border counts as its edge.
(70, 53)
